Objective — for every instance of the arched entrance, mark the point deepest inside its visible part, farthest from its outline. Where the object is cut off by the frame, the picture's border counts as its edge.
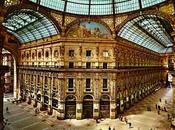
(70, 107)
(88, 106)
(104, 106)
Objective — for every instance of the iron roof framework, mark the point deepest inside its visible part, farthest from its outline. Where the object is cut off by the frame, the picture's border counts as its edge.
(149, 31)
(97, 7)
(28, 25)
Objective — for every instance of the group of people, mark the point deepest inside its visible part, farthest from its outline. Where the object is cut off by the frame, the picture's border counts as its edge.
(160, 106)
(125, 119)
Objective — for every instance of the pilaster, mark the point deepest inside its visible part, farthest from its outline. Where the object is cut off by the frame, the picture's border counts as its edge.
(79, 110)
(112, 110)
(96, 107)
(61, 111)
(3, 70)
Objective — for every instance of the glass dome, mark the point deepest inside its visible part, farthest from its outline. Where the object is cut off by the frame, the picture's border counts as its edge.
(150, 31)
(97, 7)
(28, 25)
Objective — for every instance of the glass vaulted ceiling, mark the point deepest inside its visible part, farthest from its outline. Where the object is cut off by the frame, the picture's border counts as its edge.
(28, 25)
(97, 7)
(149, 31)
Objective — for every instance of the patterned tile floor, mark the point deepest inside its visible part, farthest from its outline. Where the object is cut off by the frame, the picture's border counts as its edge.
(21, 117)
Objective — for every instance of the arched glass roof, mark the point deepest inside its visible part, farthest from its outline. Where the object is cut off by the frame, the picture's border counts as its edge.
(28, 25)
(97, 7)
(149, 31)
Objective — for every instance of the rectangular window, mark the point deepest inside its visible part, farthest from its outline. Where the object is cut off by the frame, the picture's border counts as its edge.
(54, 82)
(88, 84)
(88, 65)
(46, 80)
(71, 65)
(70, 84)
(105, 65)
(88, 53)
(71, 53)
(105, 87)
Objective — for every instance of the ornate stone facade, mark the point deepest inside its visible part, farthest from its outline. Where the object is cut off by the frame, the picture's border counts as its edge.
(87, 71)
(105, 76)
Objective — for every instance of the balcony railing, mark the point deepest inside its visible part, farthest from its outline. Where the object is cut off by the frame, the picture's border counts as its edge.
(52, 67)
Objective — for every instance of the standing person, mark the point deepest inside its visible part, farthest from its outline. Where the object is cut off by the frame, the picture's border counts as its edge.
(168, 116)
(160, 99)
(109, 128)
(129, 124)
(7, 110)
(159, 107)
(156, 106)
(158, 112)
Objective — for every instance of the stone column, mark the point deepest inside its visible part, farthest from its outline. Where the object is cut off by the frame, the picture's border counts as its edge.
(15, 90)
(35, 91)
(3, 69)
(42, 94)
(96, 110)
(79, 110)
(50, 110)
(61, 110)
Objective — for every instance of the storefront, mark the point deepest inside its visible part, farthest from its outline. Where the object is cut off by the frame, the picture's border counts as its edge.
(70, 107)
